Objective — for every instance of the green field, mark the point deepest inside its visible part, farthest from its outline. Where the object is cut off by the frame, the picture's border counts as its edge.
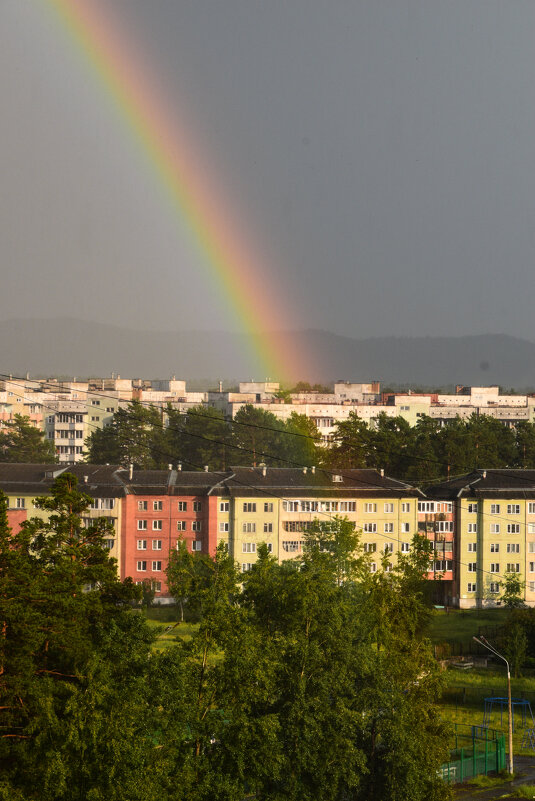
(461, 625)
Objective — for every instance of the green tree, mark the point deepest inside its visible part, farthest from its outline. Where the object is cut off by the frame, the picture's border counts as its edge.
(73, 661)
(513, 591)
(257, 437)
(301, 442)
(200, 437)
(136, 435)
(180, 574)
(351, 446)
(20, 441)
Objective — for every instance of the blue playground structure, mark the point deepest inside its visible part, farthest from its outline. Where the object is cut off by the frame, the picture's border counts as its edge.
(518, 705)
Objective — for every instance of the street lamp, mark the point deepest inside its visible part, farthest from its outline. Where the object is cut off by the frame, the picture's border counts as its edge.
(482, 641)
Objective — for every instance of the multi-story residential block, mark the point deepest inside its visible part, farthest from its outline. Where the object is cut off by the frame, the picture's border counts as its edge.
(22, 483)
(494, 514)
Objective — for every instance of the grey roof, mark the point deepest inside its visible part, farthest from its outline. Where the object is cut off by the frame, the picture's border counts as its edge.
(503, 483)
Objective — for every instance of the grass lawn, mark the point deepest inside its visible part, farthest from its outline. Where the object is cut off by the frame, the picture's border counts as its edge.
(164, 621)
(462, 624)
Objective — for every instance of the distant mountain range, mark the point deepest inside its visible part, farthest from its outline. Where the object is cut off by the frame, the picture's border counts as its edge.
(71, 347)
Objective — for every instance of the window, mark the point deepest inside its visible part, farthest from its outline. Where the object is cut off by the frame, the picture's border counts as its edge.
(141, 525)
(157, 525)
(142, 545)
(531, 508)
(494, 586)
(513, 508)
(426, 506)
(370, 528)
(20, 503)
(405, 547)
(288, 506)
(224, 506)
(388, 567)
(157, 506)
(157, 566)
(269, 546)
(370, 547)
(181, 525)
(472, 508)
(196, 525)
(532, 567)
(268, 528)
(531, 547)
(405, 528)
(248, 547)
(513, 567)
(472, 528)
(494, 528)
(513, 547)
(388, 508)
(246, 566)
(531, 528)
(405, 507)
(196, 545)
(513, 528)
(389, 547)
(141, 566)
(182, 506)
(373, 567)
(471, 586)
(197, 506)
(370, 508)
(268, 507)
(444, 525)
(142, 506)
(472, 567)
(291, 546)
(494, 567)
(495, 547)
(223, 528)
(250, 507)
(472, 547)
(495, 508)
(388, 528)
(249, 528)
(108, 544)
(157, 586)
(156, 545)
(351, 506)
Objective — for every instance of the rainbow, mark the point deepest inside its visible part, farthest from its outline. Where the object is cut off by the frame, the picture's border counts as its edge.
(182, 172)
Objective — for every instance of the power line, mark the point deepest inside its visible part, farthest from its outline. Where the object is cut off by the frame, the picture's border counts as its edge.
(278, 497)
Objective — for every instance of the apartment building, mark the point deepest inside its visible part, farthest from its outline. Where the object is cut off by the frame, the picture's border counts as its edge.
(494, 514)
(23, 483)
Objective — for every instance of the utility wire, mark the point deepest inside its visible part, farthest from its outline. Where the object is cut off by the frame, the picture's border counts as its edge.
(331, 517)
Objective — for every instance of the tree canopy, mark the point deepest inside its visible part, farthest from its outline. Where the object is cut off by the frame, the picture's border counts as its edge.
(20, 441)
(309, 680)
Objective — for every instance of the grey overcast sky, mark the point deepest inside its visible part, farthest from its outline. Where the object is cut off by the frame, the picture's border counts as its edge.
(381, 152)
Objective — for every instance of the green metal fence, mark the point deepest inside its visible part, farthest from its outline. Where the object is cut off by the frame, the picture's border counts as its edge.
(478, 751)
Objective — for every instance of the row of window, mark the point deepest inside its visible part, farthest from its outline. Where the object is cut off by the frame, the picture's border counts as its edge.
(157, 506)
(250, 547)
(495, 508)
(434, 506)
(494, 586)
(511, 547)
(156, 545)
(388, 528)
(512, 567)
(157, 525)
